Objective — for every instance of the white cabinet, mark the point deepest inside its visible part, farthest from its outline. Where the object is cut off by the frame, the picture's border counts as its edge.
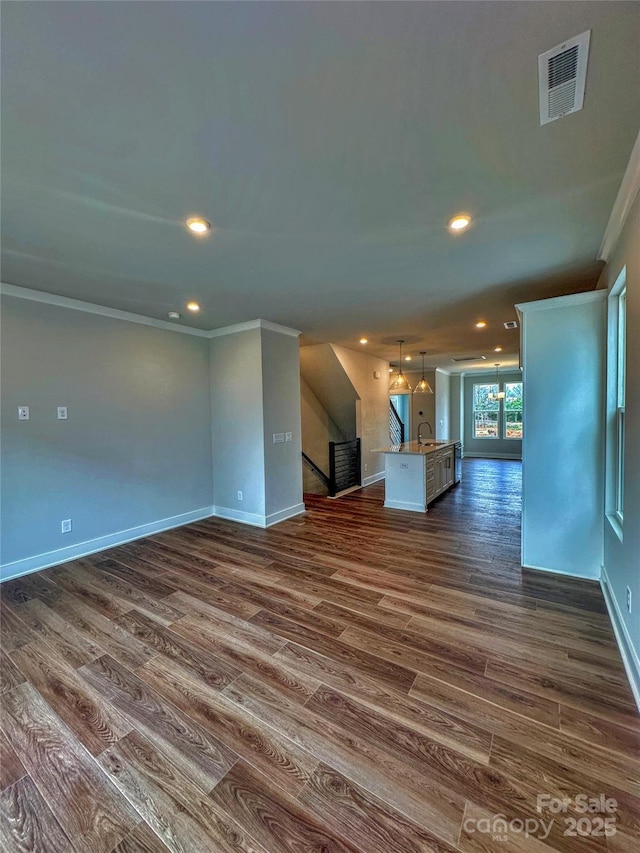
(415, 475)
(439, 472)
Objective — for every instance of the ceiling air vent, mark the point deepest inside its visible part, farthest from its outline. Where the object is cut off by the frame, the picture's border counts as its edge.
(562, 72)
(470, 358)
(511, 324)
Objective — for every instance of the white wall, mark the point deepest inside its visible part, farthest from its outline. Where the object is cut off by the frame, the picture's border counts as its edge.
(563, 444)
(622, 557)
(135, 453)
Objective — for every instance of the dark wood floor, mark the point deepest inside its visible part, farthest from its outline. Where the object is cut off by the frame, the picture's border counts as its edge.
(355, 679)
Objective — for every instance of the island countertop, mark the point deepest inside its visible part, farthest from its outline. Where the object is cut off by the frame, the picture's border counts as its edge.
(415, 449)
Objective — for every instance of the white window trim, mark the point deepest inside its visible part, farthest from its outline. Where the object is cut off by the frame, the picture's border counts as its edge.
(484, 411)
(504, 412)
(614, 511)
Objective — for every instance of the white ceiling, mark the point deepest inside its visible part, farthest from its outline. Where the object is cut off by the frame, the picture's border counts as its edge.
(329, 144)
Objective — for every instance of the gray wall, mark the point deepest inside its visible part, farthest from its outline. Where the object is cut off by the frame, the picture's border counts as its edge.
(422, 403)
(281, 402)
(563, 444)
(236, 421)
(136, 448)
(456, 426)
(255, 392)
(622, 557)
(490, 448)
(443, 405)
(372, 406)
(317, 431)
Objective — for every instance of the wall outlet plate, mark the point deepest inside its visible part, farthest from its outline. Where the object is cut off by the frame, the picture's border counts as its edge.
(65, 526)
(62, 413)
(23, 413)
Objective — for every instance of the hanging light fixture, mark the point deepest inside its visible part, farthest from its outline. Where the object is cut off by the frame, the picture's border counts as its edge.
(399, 383)
(423, 386)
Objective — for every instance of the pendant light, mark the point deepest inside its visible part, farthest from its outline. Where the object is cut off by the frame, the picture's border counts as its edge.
(423, 386)
(400, 384)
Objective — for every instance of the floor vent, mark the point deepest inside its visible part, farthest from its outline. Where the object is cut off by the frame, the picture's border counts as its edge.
(562, 72)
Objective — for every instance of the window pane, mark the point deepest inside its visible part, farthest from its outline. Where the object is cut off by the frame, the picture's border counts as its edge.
(485, 424)
(513, 425)
(513, 396)
(620, 466)
(481, 399)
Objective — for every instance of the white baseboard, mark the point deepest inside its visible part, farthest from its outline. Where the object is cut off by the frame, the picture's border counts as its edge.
(284, 514)
(374, 478)
(407, 505)
(627, 652)
(256, 519)
(548, 571)
(83, 549)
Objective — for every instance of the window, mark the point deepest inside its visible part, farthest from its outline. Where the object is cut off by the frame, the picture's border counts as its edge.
(616, 382)
(490, 419)
(513, 410)
(620, 401)
(486, 411)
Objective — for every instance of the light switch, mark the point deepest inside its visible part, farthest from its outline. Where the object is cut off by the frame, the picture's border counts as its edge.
(62, 413)
(23, 413)
(288, 436)
(278, 437)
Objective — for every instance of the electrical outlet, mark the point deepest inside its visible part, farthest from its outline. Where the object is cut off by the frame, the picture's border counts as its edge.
(66, 526)
(366, 467)
(23, 413)
(629, 599)
(62, 413)
(404, 464)
(239, 495)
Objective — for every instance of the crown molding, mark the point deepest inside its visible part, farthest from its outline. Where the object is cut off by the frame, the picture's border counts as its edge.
(115, 314)
(91, 308)
(629, 189)
(253, 324)
(561, 301)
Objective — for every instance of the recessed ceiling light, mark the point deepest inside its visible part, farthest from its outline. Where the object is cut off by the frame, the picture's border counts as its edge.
(174, 315)
(497, 349)
(193, 306)
(407, 358)
(364, 340)
(198, 225)
(459, 222)
(480, 324)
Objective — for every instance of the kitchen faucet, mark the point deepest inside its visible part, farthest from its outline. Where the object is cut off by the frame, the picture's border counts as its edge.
(420, 425)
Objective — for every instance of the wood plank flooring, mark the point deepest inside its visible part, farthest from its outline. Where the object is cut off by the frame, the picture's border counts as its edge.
(355, 679)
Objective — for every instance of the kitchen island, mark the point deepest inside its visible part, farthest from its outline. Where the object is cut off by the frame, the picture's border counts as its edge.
(415, 474)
